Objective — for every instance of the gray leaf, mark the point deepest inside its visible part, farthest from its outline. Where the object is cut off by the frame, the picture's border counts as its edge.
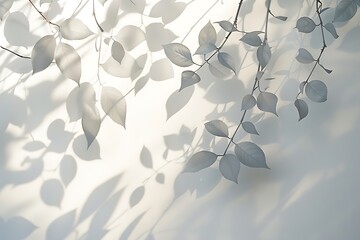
(5, 6)
(114, 105)
(160, 178)
(43, 53)
(305, 25)
(199, 161)
(250, 155)
(207, 34)
(91, 122)
(227, 26)
(259, 75)
(34, 146)
(136, 196)
(217, 128)
(161, 70)
(130, 37)
(68, 61)
(302, 108)
(252, 39)
(345, 10)
(227, 61)
(249, 127)
(267, 102)
(117, 51)
(304, 56)
(331, 29)
(74, 29)
(205, 49)
(188, 78)
(316, 91)
(140, 83)
(178, 54)
(177, 100)
(263, 55)
(68, 169)
(128, 67)
(52, 192)
(230, 167)
(248, 102)
(146, 158)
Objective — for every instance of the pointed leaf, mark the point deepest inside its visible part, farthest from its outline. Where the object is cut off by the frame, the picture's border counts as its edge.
(114, 105)
(248, 102)
(68, 61)
(304, 56)
(205, 49)
(177, 100)
(263, 55)
(316, 91)
(91, 122)
(267, 102)
(128, 67)
(146, 158)
(207, 34)
(252, 39)
(199, 161)
(230, 167)
(16, 228)
(117, 51)
(250, 155)
(74, 29)
(43, 53)
(345, 10)
(227, 26)
(161, 70)
(249, 127)
(68, 169)
(140, 83)
(331, 29)
(178, 54)
(217, 128)
(305, 25)
(302, 108)
(227, 61)
(136, 196)
(188, 78)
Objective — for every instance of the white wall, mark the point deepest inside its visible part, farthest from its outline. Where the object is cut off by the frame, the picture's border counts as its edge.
(311, 191)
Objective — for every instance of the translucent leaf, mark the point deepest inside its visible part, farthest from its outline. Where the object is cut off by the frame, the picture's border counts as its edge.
(331, 29)
(302, 108)
(178, 54)
(68, 61)
(229, 167)
(114, 105)
(130, 37)
(160, 178)
(250, 155)
(316, 91)
(249, 127)
(146, 158)
(117, 51)
(74, 29)
(161, 70)
(252, 39)
(248, 102)
(177, 100)
(68, 169)
(205, 49)
(43, 53)
(199, 161)
(304, 56)
(91, 122)
(52, 192)
(227, 61)
(301, 86)
(282, 18)
(5, 6)
(227, 26)
(136, 196)
(267, 102)
(263, 55)
(126, 69)
(207, 35)
(305, 25)
(188, 78)
(345, 10)
(218, 70)
(217, 128)
(140, 83)
(34, 146)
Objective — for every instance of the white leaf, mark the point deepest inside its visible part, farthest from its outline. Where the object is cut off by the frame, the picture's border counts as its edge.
(229, 167)
(161, 70)
(316, 91)
(130, 37)
(217, 128)
(263, 55)
(68, 169)
(43, 53)
(252, 39)
(304, 56)
(250, 155)
(305, 25)
(302, 108)
(218, 70)
(207, 35)
(117, 51)
(74, 29)
(145, 157)
(227, 26)
(249, 127)
(177, 100)
(188, 78)
(205, 49)
(86, 98)
(267, 102)
(126, 69)
(114, 105)
(91, 122)
(52, 192)
(227, 61)
(68, 61)
(199, 161)
(248, 102)
(178, 54)
(345, 10)
(5, 6)
(140, 83)
(331, 29)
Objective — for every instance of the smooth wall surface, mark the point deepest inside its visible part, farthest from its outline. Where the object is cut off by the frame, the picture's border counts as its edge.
(128, 184)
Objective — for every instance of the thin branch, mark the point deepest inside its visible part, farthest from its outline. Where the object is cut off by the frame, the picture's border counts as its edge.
(97, 22)
(17, 54)
(43, 16)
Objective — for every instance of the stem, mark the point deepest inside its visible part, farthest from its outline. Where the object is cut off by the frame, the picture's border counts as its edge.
(6, 49)
(43, 16)
(97, 23)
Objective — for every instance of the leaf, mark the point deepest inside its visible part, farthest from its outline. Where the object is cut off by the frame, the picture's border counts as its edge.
(252, 39)
(117, 51)
(207, 35)
(331, 29)
(263, 55)
(136, 196)
(267, 102)
(230, 167)
(305, 25)
(5, 6)
(316, 91)
(205, 49)
(74, 29)
(250, 155)
(68, 169)
(16, 228)
(177, 100)
(140, 83)
(145, 157)
(130, 37)
(249, 127)
(102, 2)
(302, 108)
(160, 178)
(34, 146)
(61, 227)
(52, 192)
(178, 54)
(248, 102)
(114, 105)
(128, 67)
(91, 122)
(304, 56)
(68, 61)
(199, 161)
(217, 128)
(188, 78)
(227, 61)
(282, 18)
(345, 10)
(43, 53)
(161, 70)
(259, 75)
(227, 26)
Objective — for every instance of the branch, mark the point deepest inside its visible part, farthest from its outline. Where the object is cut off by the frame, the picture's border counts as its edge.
(43, 16)
(16, 54)
(97, 23)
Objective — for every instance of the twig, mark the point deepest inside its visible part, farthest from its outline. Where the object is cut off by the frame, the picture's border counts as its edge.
(97, 23)
(8, 50)
(43, 16)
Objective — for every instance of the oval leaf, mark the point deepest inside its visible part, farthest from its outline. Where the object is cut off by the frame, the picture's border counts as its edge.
(305, 25)
(199, 161)
(74, 29)
(250, 155)
(52, 192)
(229, 167)
(136, 196)
(205, 49)
(263, 55)
(34, 146)
(267, 102)
(16, 228)
(217, 128)
(331, 29)
(252, 39)
(345, 10)
(249, 127)
(207, 35)
(130, 37)
(178, 54)
(145, 157)
(302, 108)
(68, 61)
(177, 100)
(316, 91)
(91, 122)
(188, 78)
(161, 70)
(248, 102)
(227, 26)
(117, 51)
(160, 178)
(226, 60)
(43, 53)
(140, 83)
(68, 169)
(304, 56)
(114, 105)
